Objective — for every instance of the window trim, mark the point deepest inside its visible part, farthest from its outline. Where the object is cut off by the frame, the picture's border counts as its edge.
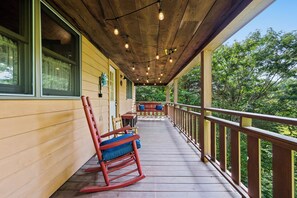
(78, 63)
(35, 54)
(26, 86)
(129, 91)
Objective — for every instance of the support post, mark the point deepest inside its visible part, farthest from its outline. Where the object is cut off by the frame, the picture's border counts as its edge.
(206, 99)
(175, 90)
(167, 94)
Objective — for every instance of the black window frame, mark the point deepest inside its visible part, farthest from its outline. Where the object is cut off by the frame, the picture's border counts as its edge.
(24, 41)
(76, 64)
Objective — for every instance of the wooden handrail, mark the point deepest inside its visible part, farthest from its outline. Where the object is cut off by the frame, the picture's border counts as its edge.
(186, 119)
(279, 119)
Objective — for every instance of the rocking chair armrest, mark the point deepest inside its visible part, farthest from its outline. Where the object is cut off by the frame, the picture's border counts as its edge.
(116, 131)
(118, 143)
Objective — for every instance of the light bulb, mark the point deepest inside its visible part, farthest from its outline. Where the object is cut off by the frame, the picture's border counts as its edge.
(147, 81)
(148, 68)
(161, 15)
(157, 56)
(170, 60)
(126, 45)
(146, 73)
(160, 81)
(155, 83)
(161, 74)
(133, 68)
(159, 78)
(137, 79)
(116, 31)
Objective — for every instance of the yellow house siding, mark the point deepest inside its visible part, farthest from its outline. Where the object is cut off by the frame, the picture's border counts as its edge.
(43, 142)
(125, 104)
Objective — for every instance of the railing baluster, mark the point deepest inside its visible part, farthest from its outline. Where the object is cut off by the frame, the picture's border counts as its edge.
(235, 153)
(223, 161)
(191, 128)
(283, 174)
(201, 129)
(213, 141)
(254, 187)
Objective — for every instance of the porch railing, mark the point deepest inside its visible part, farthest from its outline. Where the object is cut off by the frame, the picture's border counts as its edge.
(211, 129)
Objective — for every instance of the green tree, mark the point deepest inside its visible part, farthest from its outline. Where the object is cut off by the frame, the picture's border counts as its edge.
(245, 73)
(189, 87)
(150, 93)
(255, 75)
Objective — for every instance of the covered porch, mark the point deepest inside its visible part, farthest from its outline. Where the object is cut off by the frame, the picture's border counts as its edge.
(171, 164)
(45, 140)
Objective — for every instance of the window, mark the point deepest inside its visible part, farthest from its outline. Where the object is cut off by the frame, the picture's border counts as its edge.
(15, 47)
(129, 89)
(60, 56)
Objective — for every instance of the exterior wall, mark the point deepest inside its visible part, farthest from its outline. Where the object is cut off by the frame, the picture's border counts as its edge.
(125, 104)
(43, 142)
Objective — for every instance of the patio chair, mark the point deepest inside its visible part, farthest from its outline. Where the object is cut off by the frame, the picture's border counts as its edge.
(117, 123)
(113, 154)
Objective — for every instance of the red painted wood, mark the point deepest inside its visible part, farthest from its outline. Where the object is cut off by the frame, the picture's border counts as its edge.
(253, 167)
(282, 172)
(117, 163)
(222, 147)
(235, 160)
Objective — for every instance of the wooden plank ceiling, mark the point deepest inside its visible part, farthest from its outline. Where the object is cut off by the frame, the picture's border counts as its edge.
(188, 26)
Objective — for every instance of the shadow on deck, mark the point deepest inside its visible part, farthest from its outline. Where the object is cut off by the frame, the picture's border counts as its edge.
(172, 168)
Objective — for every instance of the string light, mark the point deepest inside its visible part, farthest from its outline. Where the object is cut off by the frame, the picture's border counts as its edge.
(116, 31)
(126, 45)
(155, 83)
(147, 80)
(148, 67)
(161, 15)
(157, 56)
(147, 73)
(161, 74)
(160, 81)
(170, 60)
(137, 79)
(159, 78)
(133, 68)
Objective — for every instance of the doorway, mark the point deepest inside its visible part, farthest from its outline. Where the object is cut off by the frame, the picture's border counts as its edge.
(112, 95)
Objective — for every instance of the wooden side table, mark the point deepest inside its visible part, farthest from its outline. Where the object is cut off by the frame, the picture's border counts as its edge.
(129, 119)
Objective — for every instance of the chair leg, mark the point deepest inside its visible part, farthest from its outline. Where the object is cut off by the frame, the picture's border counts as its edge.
(105, 174)
(137, 158)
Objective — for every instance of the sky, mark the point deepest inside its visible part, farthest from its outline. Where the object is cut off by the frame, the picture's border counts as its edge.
(281, 15)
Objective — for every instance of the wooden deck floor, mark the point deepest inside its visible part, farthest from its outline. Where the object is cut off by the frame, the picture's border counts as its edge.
(172, 168)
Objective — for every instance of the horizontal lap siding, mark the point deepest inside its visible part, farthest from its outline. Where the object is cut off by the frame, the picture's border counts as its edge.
(43, 142)
(125, 104)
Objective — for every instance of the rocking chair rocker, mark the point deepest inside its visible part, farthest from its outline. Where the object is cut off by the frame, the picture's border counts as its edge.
(113, 154)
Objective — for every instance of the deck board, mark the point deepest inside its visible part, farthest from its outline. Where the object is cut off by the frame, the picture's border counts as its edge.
(172, 167)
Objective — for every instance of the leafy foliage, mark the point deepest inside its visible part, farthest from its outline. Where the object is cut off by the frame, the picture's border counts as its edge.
(258, 75)
(150, 93)
(189, 87)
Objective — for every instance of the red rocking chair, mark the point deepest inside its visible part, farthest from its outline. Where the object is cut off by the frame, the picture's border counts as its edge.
(113, 154)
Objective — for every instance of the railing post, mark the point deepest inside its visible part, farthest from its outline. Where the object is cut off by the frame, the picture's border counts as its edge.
(213, 141)
(222, 139)
(254, 161)
(235, 156)
(283, 172)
